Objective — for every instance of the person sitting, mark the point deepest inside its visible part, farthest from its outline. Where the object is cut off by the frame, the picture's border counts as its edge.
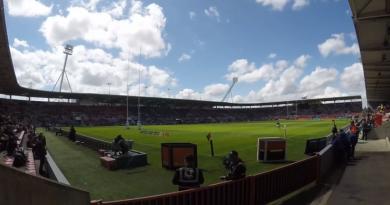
(124, 147)
(120, 144)
(189, 176)
(235, 167)
(11, 145)
(3, 141)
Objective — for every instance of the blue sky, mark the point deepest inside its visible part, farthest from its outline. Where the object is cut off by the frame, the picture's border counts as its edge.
(278, 49)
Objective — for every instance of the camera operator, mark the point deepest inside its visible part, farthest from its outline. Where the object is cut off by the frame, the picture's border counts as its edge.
(235, 166)
(188, 177)
(119, 144)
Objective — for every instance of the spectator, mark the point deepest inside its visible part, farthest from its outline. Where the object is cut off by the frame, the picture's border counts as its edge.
(42, 138)
(39, 150)
(353, 135)
(11, 145)
(365, 129)
(120, 144)
(189, 176)
(342, 147)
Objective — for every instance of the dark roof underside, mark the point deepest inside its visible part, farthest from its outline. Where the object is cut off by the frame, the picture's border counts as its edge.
(372, 23)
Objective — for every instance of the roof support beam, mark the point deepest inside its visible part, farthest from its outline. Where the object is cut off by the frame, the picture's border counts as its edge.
(375, 49)
(372, 91)
(377, 65)
(384, 87)
(377, 68)
(375, 83)
(372, 17)
(388, 6)
(380, 78)
(364, 7)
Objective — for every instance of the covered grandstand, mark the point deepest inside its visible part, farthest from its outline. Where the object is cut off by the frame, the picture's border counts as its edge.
(371, 20)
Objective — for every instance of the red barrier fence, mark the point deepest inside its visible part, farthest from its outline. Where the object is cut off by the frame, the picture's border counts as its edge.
(277, 183)
(252, 190)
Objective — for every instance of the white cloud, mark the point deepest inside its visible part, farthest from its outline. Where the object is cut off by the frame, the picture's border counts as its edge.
(239, 68)
(116, 9)
(272, 55)
(248, 73)
(329, 92)
(299, 4)
(20, 43)
(352, 78)
(279, 5)
(216, 90)
(189, 94)
(210, 92)
(292, 83)
(282, 79)
(301, 61)
(141, 32)
(336, 45)
(192, 15)
(238, 99)
(275, 4)
(318, 79)
(28, 8)
(159, 77)
(212, 12)
(91, 4)
(321, 82)
(285, 84)
(89, 70)
(184, 57)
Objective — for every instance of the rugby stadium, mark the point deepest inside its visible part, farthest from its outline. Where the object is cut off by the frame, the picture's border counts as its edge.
(119, 149)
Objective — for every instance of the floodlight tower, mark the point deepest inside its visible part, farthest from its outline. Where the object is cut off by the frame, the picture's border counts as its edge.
(109, 88)
(139, 100)
(235, 80)
(67, 51)
(127, 96)
(139, 93)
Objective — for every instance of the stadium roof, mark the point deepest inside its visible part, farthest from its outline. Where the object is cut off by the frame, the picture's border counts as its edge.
(372, 24)
(10, 86)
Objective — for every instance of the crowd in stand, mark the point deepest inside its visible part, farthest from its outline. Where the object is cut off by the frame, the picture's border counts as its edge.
(17, 137)
(46, 114)
(10, 130)
(345, 140)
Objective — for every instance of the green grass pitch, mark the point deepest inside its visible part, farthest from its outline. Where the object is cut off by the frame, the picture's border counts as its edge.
(82, 166)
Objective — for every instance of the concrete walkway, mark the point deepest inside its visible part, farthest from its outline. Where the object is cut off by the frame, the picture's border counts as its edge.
(367, 179)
